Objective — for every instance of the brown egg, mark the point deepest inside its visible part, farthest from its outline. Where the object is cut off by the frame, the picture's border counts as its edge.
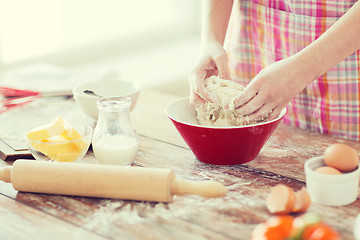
(327, 170)
(341, 157)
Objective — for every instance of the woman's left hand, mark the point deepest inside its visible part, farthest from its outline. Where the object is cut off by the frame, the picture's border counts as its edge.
(272, 89)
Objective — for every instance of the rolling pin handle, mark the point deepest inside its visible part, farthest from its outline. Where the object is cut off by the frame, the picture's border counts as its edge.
(5, 174)
(210, 189)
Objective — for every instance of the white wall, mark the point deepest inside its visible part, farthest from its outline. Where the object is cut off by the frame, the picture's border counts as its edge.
(150, 42)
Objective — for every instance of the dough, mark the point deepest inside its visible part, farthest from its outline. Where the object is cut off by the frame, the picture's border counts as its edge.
(219, 115)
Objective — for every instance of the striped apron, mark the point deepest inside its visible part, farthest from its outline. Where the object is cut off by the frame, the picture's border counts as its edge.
(264, 31)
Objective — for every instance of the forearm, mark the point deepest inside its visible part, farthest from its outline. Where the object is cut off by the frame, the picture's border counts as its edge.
(215, 18)
(333, 46)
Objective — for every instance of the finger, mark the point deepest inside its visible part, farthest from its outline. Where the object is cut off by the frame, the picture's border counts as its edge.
(198, 92)
(207, 96)
(192, 98)
(195, 77)
(244, 97)
(201, 90)
(197, 82)
(222, 67)
(251, 106)
(275, 113)
(196, 100)
(262, 114)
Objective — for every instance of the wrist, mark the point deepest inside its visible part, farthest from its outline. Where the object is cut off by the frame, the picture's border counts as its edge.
(308, 65)
(209, 37)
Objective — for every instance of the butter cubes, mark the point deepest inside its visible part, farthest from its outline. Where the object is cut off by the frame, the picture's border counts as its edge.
(56, 127)
(58, 140)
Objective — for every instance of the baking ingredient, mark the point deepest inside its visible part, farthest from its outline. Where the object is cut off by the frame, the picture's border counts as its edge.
(117, 149)
(341, 157)
(222, 114)
(282, 200)
(76, 137)
(286, 227)
(67, 156)
(54, 128)
(328, 170)
(58, 140)
(105, 181)
(60, 148)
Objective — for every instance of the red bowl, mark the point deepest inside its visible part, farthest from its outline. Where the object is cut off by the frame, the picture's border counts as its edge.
(220, 145)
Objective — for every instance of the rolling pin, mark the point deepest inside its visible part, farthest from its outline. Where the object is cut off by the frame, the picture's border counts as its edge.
(104, 181)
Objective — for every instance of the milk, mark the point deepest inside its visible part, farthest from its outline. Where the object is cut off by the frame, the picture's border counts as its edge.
(116, 150)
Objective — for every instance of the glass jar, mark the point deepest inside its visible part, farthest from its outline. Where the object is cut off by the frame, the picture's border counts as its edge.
(115, 141)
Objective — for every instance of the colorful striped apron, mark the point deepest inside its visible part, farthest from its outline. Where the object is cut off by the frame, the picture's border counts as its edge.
(264, 31)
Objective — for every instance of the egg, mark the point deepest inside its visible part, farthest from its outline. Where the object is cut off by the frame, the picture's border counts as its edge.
(341, 156)
(328, 170)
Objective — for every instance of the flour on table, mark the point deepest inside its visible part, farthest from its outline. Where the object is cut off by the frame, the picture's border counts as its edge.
(218, 114)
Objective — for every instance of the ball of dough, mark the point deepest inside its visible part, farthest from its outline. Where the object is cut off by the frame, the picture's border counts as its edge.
(222, 114)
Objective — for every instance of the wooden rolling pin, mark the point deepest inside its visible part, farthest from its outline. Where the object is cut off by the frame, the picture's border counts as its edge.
(104, 181)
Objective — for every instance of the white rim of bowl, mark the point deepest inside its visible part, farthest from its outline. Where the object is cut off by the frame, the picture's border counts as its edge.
(330, 177)
(281, 115)
(79, 89)
(357, 227)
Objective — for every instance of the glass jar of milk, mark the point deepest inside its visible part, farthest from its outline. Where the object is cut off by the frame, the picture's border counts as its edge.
(115, 140)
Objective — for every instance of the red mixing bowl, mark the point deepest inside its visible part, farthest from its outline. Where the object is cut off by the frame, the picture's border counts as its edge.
(220, 145)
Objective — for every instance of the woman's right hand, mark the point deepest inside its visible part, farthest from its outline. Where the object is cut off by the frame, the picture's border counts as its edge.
(212, 61)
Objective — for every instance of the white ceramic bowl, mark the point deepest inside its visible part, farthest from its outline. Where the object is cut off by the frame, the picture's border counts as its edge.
(105, 88)
(357, 227)
(329, 189)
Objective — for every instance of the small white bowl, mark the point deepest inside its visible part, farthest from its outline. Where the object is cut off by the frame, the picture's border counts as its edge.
(330, 189)
(104, 88)
(357, 228)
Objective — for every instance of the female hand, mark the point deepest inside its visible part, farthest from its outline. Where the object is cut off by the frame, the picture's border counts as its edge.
(212, 61)
(272, 89)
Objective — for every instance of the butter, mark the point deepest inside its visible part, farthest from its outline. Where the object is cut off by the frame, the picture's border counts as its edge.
(59, 144)
(61, 148)
(53, 146)
(56, 127)
(67, 157)
(40, 146)
(58, 140)
(76, 137)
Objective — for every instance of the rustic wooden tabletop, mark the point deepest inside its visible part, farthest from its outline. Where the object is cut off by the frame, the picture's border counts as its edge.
(41, 216)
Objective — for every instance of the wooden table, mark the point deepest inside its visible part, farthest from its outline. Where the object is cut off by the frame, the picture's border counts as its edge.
(41, 216)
